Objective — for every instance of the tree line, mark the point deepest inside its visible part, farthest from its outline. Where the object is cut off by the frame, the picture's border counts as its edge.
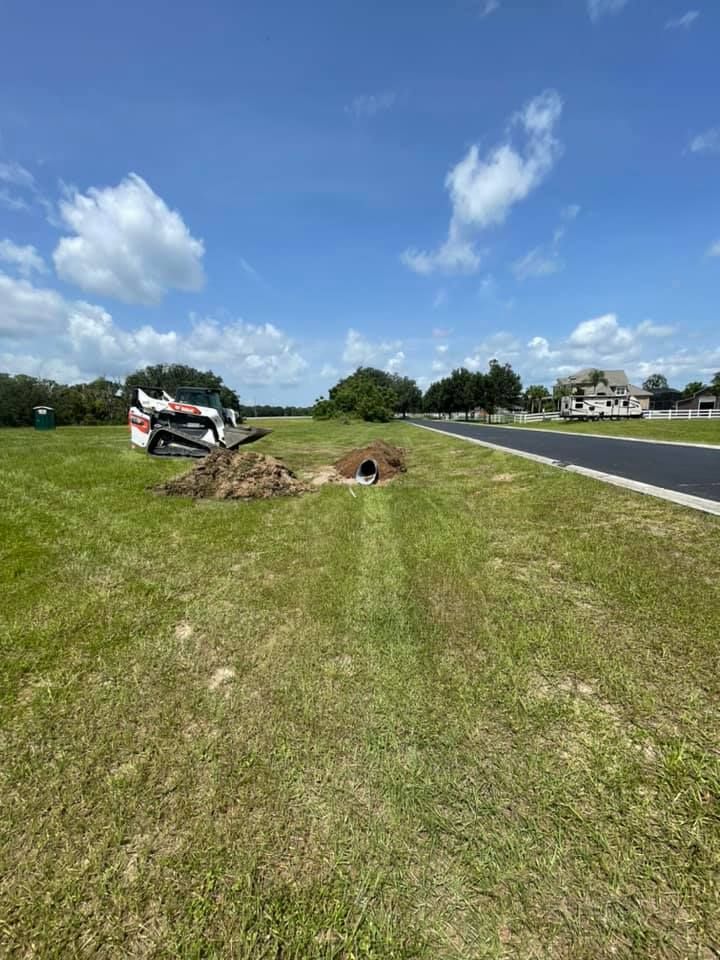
(101, 401)
(372, 394)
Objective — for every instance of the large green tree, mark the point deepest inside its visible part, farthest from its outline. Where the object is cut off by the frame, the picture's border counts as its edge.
(656, 381)
(503, 387)
(366, 393)
(466, 390)
(371, 394)
(408, 397)
(170, 376)
(692, 388)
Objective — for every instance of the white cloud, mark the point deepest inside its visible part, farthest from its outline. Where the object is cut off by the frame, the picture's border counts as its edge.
(683, 22)
(128, 244)
(707, 142)
(361, 352)
(649, 329)
(544, 260)
(502, 346)
(601, 342)
(440, 299)
(16, 175)
(396, 362)
(248, 268)
(329, 370)
(484, 190)
(43, 331)
(454, 256)
(537, 263)
(601, 8)
(488, 7)
(19, 179)
(441, 348)
(714, 250)
(27, 311)
(604, 343)
(11, 201)
(370, 105)
(25, 258)
(540, 347)
(604, 331)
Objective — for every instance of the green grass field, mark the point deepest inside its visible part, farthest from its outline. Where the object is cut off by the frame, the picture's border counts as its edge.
(680, 431)
(470, 714)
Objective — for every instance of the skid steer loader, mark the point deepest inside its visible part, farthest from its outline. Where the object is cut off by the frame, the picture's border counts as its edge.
(190, 424)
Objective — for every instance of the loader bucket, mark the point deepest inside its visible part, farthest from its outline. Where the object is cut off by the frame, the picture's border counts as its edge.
(237, 436)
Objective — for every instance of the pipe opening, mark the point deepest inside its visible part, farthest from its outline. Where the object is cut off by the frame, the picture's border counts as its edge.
(367, 473)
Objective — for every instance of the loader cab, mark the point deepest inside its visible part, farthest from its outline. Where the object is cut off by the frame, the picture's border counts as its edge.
(200, 397)
(205, 397)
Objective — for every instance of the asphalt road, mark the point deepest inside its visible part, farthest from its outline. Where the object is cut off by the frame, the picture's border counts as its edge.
(691, 470)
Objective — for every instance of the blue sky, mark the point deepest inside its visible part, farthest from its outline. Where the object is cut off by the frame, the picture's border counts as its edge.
(282, 191)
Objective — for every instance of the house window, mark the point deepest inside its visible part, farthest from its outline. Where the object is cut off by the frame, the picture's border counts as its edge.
(608, 403)
(706, 404)
(578, 405)
(625, 403)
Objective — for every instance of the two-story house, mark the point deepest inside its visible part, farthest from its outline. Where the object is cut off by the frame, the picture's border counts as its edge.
(615, 384)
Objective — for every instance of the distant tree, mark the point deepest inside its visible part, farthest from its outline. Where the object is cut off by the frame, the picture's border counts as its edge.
(715, 387)
(438, 397)
(463, 390)
(324, 409)
(535, 395)
(408, 397)
(692, 388)
(503, 386)
(656, 381)
(19, 394)
(596, 377)
(367, 393)
(170, 376)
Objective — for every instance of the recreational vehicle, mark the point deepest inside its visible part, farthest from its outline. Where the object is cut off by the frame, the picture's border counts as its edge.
(602, 407)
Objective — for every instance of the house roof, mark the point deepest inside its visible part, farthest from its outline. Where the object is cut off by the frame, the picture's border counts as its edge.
(615, 378)
(699, 393)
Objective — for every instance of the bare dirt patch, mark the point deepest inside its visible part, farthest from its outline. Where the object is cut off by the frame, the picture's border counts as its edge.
(184, 630)
(504, 477)
(227, 475)
(221, 677)
(390, 460)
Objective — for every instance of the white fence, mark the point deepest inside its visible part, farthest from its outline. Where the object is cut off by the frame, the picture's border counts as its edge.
(682, 414)
(540, 417)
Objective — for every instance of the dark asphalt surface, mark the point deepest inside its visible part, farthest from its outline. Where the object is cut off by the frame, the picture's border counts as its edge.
(692, 470)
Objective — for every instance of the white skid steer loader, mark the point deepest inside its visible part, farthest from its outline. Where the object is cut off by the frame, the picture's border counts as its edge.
(190, 424)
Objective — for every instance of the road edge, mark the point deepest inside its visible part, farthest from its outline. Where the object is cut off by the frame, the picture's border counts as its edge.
(599, 436)
(636, 486)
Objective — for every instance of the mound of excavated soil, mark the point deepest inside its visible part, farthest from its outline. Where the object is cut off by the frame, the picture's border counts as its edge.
(228, 475)
(390, 460)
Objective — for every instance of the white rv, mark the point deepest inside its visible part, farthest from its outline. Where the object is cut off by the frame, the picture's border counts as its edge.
(600, 407)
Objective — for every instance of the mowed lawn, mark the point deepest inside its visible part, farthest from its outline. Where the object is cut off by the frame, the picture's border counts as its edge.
(472, 713)
(679, 431)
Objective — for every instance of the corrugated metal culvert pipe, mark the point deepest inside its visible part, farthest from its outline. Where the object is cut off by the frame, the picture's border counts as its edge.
(367, 473)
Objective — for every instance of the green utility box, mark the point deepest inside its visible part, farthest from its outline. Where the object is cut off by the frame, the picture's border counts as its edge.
(44, 418)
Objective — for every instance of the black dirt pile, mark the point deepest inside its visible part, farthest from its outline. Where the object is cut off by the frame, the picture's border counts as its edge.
(226, 475)
(390, 460)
